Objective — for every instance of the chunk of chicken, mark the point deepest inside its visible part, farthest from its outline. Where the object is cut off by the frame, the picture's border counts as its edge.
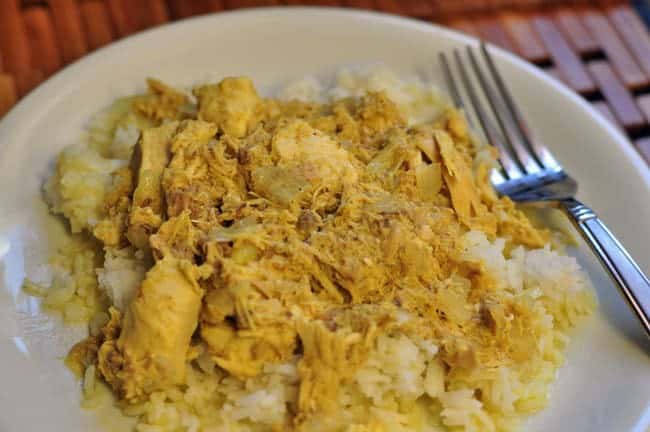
(85, 353)
(230, 104)
(201, 173)
(150, 158)
(328, 359)
(176, 237)
(429, 181)
(111, 229)
(465, 196)
(151, 350)
(305, 160)
(377, 114)
(161, 103)
(244, 352)
(283, 186)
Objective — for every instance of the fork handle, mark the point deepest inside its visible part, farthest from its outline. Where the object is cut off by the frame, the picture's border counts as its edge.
(621, 267)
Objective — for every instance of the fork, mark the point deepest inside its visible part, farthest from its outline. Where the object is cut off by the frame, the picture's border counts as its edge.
(529, 173)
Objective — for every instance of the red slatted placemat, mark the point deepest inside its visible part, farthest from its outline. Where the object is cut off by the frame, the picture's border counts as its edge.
(601, 49)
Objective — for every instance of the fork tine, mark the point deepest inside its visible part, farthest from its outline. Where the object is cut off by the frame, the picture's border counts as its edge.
(496, 177)
(509, 165)
(525, 157)
(543, 155)
(451, 82)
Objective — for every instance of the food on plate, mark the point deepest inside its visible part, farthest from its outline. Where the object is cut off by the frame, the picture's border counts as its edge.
(329, 260)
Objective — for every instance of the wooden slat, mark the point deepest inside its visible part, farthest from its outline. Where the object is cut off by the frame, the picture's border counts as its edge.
(617, 95)
(179, 9)
(606, 111)
(97, 23)
(390, 6)
(634, 33)
(465, 7)
(8, 95)
(449, 9)
(28, 3)
(214, 5)
(13, 38)
(125, 22)
(524, 37)
(234, 4)
(414, 8)
(68, 28)
(465, 26)
(314, 2)
(360, 4)
(151, 13)
(644, 105)
(568, 63)
(617, 53)
(26, 81)
(492, 31)
(46, 55)
(643, 146)
(577, 34)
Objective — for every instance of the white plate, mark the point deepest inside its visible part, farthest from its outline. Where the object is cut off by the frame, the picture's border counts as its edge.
(605, 385)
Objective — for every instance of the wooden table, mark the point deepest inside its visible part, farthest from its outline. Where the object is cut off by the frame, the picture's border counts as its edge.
(600, 49)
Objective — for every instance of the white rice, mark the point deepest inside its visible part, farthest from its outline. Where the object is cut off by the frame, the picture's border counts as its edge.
(419, 100)
(121, 275)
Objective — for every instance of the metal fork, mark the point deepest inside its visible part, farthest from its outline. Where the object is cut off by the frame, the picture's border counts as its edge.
(529, 172)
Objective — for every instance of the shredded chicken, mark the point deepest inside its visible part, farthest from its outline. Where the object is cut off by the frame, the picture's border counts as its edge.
(283, 229)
